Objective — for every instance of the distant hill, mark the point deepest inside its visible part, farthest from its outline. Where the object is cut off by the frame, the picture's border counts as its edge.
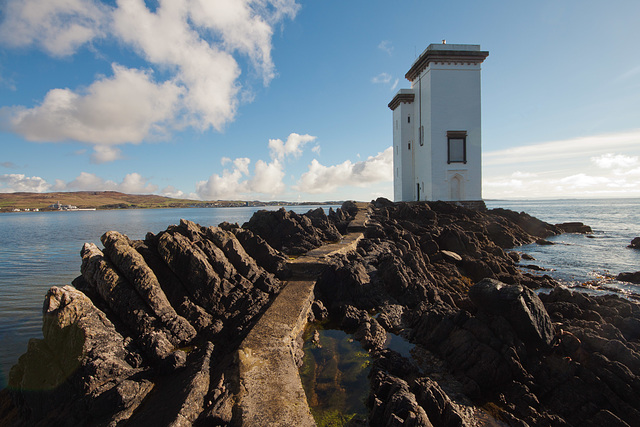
(115, 200)
(88, 199)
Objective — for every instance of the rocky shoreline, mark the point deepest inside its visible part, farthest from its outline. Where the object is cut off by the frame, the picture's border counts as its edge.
(149, 333)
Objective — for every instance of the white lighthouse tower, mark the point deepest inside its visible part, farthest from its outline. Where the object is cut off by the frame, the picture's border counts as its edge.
(437, 129)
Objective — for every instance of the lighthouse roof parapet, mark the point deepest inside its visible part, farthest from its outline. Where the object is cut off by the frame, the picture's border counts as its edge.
(457, 53)
(403, 95)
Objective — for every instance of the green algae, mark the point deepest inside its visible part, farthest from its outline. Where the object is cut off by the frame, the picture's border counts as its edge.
(334, 375)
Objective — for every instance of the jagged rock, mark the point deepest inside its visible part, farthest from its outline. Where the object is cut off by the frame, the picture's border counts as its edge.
(241, 261)
(120, 251)
(81, 363)
(544, 242)
(291, 233)
(391, 317)
(392, 403)
(319, 311)
(174, 289)
(574, 227)
(635, 243)
(629, 277)
(529, 224)
(264, 255)
(370, 334)
(437, 404)
(520, 306)
(191, 264)
(128, 305)
(181, 399)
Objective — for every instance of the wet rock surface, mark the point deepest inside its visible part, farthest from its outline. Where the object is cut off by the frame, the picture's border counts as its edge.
(148, 334)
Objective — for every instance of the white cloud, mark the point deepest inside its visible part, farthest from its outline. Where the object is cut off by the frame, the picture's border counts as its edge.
(293, 146)
(382, 78)
(606, 165)
(171, 191)
(324, 179)
(59, 27)
(11, 183)
(267, 178)
(8, 165)
(386, 46)
(610, 160)
(395, 84)
(105, 154)
(132, 183)
(554, 151)
(237, 183)
(125, 108)
(242, 164)
(225, 186)
(193, 41)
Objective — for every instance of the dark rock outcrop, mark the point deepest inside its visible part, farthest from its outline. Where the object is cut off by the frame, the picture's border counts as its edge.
(574, 227)
(629, 277)
(635, 243)
(519, 306)
(292, 233)
(149, 334)
(154, 322)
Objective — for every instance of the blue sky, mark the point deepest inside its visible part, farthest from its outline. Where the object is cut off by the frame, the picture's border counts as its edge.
(287, 100)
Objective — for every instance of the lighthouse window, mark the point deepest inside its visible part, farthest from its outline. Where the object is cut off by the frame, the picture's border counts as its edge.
(408, 119)
(457, 147)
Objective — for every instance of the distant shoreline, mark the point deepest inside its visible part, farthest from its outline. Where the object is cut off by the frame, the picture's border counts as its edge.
(112, 200)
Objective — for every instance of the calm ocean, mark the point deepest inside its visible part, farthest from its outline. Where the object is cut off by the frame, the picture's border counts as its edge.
(42, 249)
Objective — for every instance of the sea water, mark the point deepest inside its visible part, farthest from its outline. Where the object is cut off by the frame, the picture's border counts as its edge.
(587, 262)
(42, 249)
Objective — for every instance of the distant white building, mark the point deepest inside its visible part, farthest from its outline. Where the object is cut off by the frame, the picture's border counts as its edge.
(437, 128)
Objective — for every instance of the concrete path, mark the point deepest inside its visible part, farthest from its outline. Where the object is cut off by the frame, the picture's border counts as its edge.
(271, 391)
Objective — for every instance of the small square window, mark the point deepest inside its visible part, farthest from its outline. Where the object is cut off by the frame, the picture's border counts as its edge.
(456, 147)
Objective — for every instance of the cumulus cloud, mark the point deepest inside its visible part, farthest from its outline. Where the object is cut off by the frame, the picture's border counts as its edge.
(267, 179)
(324, 179)
(59, 27)
(11, 183)
(227, 185)
(195, 42)
(292, 147)
(127, 107)
(171, 191)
